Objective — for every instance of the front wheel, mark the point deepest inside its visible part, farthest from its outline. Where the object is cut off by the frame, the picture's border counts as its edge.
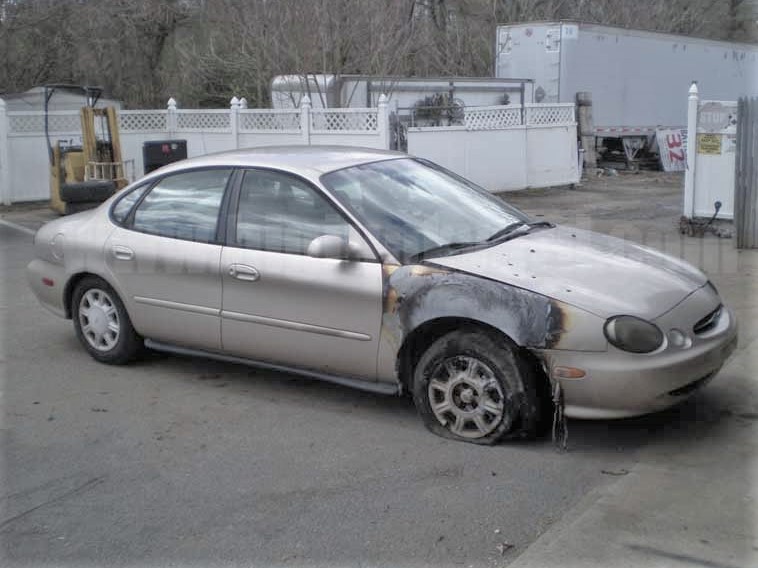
(471, 385)
(102, 324)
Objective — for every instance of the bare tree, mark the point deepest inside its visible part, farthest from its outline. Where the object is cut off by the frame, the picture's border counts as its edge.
(205, 51)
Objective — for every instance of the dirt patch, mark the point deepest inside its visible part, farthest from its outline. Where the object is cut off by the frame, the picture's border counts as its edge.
(627, 204)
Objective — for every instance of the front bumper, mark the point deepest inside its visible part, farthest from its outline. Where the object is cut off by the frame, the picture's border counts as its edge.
(619, 384)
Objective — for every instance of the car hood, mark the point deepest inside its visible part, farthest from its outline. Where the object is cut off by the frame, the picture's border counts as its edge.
(600, 274)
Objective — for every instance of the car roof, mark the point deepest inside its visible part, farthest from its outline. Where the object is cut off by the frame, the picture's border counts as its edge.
(312, 161)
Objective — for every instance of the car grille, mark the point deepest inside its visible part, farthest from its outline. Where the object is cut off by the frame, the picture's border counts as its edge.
(708, 322)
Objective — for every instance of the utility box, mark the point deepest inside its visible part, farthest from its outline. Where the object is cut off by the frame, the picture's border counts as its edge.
(158, 153)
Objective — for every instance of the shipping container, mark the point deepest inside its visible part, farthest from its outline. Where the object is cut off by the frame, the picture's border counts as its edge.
(638, 79)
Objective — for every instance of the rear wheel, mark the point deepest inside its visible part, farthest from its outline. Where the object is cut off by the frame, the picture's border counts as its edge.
(102, 324)
(471, 385)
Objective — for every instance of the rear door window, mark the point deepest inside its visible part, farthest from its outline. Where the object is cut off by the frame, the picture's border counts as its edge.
(184, 206)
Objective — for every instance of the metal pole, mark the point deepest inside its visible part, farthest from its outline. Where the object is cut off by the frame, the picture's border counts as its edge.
(740, 173)
(586, 127)
(746, 174)
(5, 178)
(751, 124)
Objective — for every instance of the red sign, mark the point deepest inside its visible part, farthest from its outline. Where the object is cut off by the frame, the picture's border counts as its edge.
(672, 146)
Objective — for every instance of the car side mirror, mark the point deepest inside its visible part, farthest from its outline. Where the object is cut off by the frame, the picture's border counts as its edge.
(330, 246)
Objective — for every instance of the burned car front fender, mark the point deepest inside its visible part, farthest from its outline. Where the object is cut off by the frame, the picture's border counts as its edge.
(416, 295)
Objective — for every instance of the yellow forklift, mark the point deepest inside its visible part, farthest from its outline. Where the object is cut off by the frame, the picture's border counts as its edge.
(82, 176)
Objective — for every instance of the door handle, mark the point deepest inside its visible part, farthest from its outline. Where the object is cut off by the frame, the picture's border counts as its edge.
(123, 253)
(244, 272)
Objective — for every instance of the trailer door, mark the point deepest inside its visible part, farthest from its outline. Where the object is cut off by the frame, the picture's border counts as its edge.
(531, 52)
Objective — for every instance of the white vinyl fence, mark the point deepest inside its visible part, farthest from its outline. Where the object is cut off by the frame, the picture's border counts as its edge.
(24, 169)
(505, 148)
(501, 147)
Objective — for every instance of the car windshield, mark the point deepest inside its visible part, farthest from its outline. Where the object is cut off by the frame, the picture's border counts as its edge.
(418, 209)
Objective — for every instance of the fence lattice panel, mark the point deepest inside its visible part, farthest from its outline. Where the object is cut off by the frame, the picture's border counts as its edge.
(492, 118)
(255, 120)
(28, 123)
(203, 120)
(344, 120)
(142, 120)
(543, 115)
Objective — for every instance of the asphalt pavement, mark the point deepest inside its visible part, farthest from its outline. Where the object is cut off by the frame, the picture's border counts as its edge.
(176, 461)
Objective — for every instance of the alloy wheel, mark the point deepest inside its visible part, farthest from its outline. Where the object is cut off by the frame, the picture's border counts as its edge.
(466, 397)
(99, 320)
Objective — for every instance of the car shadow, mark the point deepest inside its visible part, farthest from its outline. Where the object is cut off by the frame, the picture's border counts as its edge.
(703, 414)
(285, 387)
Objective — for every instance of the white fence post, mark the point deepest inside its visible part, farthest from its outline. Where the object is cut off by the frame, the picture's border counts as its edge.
(383, 121)
(689, 173)
(234, 109)
(171, 118)
(5, 177)
(305, 119)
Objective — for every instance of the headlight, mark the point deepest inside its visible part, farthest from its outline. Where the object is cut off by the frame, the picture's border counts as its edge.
(633, 334)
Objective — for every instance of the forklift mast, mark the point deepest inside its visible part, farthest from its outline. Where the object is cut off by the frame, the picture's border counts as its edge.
(84, 176)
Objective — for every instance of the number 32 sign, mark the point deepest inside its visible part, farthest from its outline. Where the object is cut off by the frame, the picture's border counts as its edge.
(672, 145)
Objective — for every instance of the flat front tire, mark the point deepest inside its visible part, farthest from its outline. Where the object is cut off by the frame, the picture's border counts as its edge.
(102, 323)
(472, 385)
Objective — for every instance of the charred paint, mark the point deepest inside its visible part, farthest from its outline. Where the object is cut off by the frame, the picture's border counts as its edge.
(417, 294)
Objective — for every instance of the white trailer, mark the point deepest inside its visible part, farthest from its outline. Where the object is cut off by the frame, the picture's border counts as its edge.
(351, 91)
(636, 77)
